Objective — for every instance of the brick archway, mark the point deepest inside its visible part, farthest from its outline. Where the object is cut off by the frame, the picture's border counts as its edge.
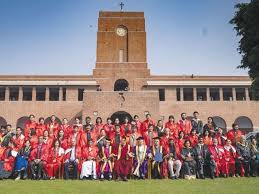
(121, 85)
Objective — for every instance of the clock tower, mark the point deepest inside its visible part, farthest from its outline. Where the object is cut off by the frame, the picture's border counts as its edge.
(121, 50)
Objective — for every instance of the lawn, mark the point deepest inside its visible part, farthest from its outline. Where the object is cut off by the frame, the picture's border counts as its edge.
(218, 186)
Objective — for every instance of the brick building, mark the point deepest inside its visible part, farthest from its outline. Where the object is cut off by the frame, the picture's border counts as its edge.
(127, 87)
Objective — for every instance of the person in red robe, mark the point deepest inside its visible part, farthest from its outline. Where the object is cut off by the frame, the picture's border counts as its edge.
(40, 127)
(230, 159)
(38, 159)
(123, 164)
(89, 158)
(137, 122)
(18, 138)
(79, 124)
(126, 127)
(72, 159)
(221, 137)
(87, 135)
(98, 125)
(193, 138)
(62, 139)
(109, 127)
(76, 135)
(180, 144)
(55, 160)
(53, 126)
(33, 138)
(7, 160)
(173, 126)
(217, 156)
(67, 129)
(31, 124)
(184, 124)
(149, 135)
(207, 138)
(164, 140)
(147, 123)
(47, 139)
(234, 134)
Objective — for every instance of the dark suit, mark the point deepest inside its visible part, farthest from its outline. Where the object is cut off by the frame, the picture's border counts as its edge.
(201, 155)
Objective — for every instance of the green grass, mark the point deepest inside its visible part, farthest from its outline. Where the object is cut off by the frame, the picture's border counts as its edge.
(217, 186)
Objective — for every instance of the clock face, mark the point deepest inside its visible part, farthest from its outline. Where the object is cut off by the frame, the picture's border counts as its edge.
(121, 31)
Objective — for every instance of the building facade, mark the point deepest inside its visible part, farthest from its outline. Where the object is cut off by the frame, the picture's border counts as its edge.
(127, 86)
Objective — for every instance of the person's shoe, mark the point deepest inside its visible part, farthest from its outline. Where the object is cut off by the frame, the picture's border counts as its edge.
(125, 179)
(118, 179)
(187, 177)
(110, 177)
(18, 177)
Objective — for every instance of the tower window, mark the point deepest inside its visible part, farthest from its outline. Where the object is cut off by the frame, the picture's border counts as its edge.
(201, 94)
(40, 94)
(27, 94)
(54, 94)
(80, 94)
(188, 94)
(214, 94)
(227, 94)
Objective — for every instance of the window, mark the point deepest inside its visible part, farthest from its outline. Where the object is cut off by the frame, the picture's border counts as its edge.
(161, 94)
(121, 53)
(80, 94)
(188, 94)
(251, 94)
(40, 94)
(54, 94)
(240, 94)
(178, 94)
(214, 94)
(27, 94)
(2, 93)
(14, 94)
(201, 94)
(227, 94)
(64, 94)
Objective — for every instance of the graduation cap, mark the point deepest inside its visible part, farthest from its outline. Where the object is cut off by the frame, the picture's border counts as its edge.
(140, 138)
(156, 138)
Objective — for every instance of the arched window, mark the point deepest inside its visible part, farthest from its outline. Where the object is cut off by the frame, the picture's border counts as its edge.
(47, 120)
(220, 122)
(22, 121)
(121, 115)
(244, 123)
(121, 85)
(2, 122)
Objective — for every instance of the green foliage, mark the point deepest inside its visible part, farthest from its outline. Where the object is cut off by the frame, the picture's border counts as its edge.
(246, 24)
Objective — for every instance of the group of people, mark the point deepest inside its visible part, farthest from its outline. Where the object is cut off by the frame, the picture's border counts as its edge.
(125, 149)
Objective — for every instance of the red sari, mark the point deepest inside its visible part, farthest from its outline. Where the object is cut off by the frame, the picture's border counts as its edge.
(122, 166)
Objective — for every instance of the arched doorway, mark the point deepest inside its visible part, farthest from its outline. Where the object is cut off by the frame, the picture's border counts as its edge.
(244, 123)
(220, 122)
(21, 121)
(121, 115)
(121, 85)
(47, 120)
(3, 122)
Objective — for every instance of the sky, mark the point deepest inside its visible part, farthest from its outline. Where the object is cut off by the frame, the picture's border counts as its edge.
(44, 37)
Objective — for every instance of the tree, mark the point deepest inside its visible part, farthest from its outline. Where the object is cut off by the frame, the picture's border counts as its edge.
(246, 24)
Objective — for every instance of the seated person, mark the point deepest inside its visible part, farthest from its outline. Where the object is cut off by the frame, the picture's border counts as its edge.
(189, 164)
(38, 159)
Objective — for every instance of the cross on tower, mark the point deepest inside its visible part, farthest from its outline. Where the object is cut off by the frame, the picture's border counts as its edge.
(121, 5)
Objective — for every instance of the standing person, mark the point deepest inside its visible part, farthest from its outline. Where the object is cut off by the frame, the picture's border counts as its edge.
(38, 159)
(55, 160)
(88, 122)
(87, 135)
(210, 126)
(184, 124)
(89, 156)
(160, 128)
(201, 154)
(197, 123)
(189, 164)
(62, 139)
(53, 126)
(134, 136)
(72, 159)
(193, 137)
(137, 123)
(40, 126)
(234, 134)
(140, 160)
(216, 159)
(109, 127)
(67, 129)
(145, 124)
(18, 138)
(107, 160)
(21, 163)
(243, 157)
(150, 135)
(220, 137)
(173, 126)
(126, 127)
(47, 139)
(31, 124)
(230, 159)
(207, 137)
(122, 165)
(98, 125)
(254, 157)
